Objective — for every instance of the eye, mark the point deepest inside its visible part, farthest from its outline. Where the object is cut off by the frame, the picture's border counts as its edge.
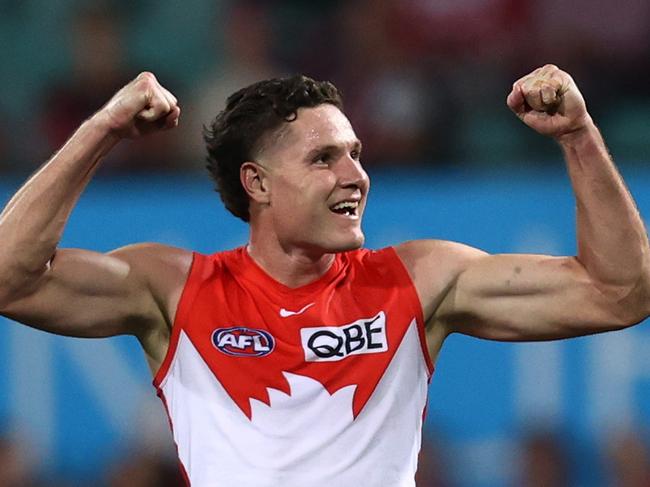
(355, 154)
(324, 158)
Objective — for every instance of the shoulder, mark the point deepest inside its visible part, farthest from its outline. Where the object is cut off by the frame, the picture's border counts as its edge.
(163, 268)
(151, 257)
(434, 266)
(439, 253)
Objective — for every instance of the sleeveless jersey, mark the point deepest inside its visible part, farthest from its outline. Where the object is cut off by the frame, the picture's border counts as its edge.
(324, 385)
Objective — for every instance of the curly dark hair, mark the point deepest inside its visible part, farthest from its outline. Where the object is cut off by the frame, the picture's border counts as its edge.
(237, 133)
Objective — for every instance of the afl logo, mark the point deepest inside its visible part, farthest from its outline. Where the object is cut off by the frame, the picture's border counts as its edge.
(243, 342)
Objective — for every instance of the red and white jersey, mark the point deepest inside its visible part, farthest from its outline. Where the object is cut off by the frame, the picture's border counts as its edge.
(322, 385)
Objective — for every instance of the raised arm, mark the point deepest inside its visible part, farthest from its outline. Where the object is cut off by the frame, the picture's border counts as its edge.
(78, 292)
(606, 286)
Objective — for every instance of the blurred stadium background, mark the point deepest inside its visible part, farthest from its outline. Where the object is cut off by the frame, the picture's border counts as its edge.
(424, 83)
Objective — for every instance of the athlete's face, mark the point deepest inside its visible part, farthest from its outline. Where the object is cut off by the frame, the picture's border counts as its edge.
(317, 186)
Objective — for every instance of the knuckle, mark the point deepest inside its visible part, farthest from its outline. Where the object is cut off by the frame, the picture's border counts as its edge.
(147, 75)
(161, 107)
(146, 80)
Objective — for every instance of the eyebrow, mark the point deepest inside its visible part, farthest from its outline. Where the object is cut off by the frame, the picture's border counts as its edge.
(332, 147)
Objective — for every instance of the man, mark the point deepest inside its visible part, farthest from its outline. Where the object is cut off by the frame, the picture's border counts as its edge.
(302, 359)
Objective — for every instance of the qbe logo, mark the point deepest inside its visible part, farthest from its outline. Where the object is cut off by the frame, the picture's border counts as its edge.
(243, 342)
(331, 343)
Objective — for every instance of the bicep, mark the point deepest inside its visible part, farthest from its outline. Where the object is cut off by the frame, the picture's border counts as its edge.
(85, 294)
(527, 297)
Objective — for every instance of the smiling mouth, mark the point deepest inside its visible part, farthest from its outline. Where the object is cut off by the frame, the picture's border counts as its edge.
(346, 208)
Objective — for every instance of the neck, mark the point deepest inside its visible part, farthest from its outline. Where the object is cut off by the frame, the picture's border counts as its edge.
(290, 265)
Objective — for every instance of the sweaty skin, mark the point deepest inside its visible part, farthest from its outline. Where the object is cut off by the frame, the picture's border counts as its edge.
(293, 185)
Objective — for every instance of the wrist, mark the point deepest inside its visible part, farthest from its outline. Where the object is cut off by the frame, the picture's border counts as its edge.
(583, 131)
(100, 125)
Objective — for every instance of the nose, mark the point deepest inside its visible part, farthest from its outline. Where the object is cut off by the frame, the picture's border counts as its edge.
(351, 174)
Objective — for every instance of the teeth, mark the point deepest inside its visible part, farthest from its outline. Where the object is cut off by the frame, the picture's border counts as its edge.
(353, 205)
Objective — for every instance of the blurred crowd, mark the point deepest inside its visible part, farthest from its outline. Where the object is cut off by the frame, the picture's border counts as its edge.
(137, 468)
(544, 458)
(424, 81)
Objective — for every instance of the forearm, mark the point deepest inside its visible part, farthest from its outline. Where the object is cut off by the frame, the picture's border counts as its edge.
(32, 222)
(612, 241)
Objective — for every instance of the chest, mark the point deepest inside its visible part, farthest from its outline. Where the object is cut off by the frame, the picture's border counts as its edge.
(342, 335)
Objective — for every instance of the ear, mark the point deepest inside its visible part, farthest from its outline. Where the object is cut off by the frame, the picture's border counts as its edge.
(255, 183)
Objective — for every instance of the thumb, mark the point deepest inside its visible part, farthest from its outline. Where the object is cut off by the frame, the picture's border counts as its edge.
(148, 114)
(516, 101)
(157, 106)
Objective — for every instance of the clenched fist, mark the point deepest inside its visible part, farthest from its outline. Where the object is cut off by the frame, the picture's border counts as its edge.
(548, 101)
(143, 106)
